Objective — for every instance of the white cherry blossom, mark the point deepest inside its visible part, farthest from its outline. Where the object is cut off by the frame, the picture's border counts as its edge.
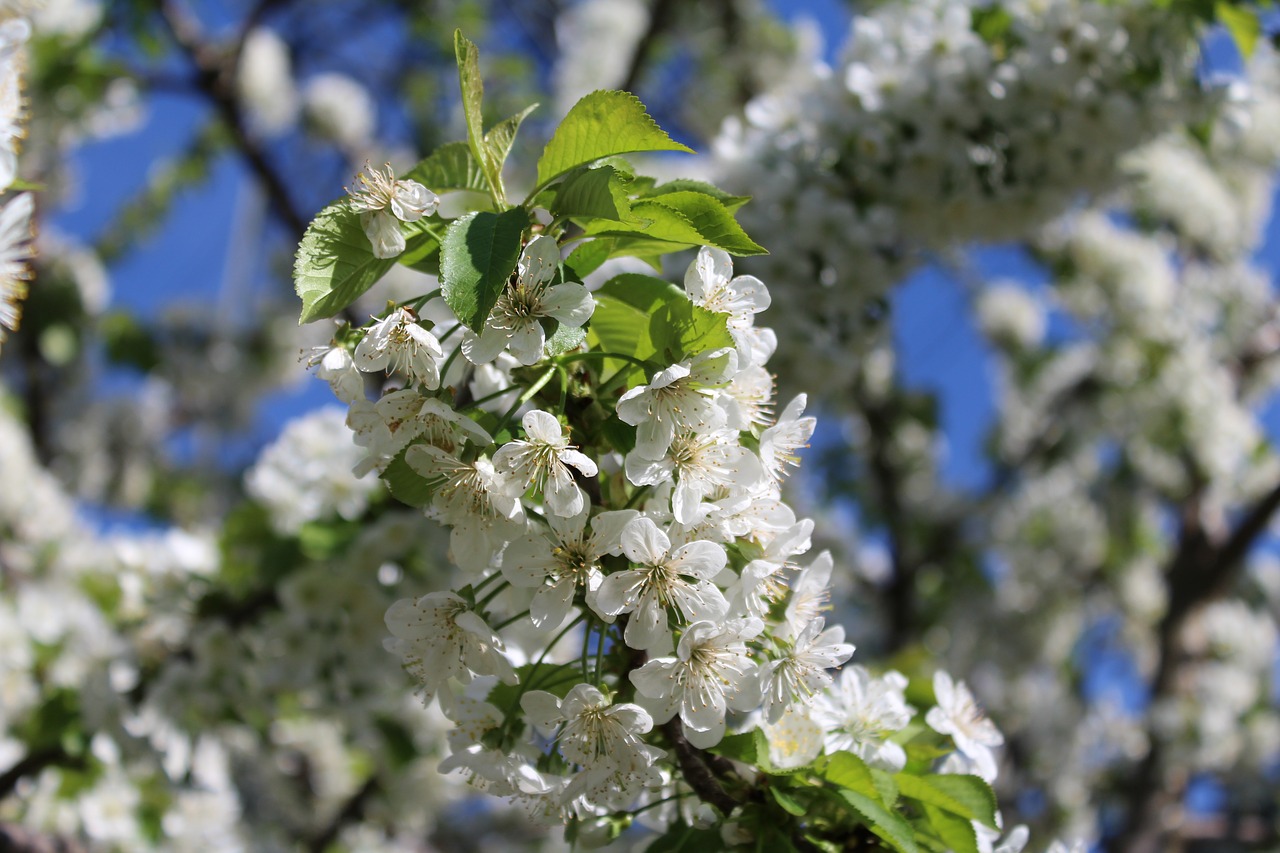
(678, 398)
(700, 464)
(516, 319)
(859, 712)
(663, 578)
(957, 714)
(710, 673)
(386, 202)
(779, 443)
(397, 343)
(564, 561)
(438, 637)
(802, 669)
(543, 459)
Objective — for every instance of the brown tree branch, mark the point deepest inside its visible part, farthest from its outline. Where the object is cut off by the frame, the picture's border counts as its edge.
(19, 839)
(693, 765)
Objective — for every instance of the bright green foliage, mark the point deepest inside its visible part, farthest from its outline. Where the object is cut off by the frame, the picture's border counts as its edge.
(966, 796)
(600, 125)
(450, 167)
(477, 256)
(335, 263)
(593, 192)
(683, 219)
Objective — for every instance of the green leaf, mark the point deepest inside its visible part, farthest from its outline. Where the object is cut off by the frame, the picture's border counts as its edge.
(566, 338)
(731, 202)
(1242, 23)
(335, 263)
(966, 796)
(588, 257)
(405, 484)
(477, 257)
(650, 319)
(450, 167)
(954, 831)
(684, 218)
(602, 124)
(599, 193)
(789, 804)
(889, 826)
(885, 786)
(852, 773)
(498, 141)
(472, 85)
(739, 747)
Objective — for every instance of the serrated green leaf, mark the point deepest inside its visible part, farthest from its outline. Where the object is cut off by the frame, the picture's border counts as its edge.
(966, 796)
(566, 338)
(1243, 24)
(739, 747)
(405, 484)
(890, 826)
(335, 263)
(477, 256)
(789, 804)
(731, 202)
(885, 785)
(588, 257)
(472, 85)
(597, 193)
(602, 124)
(683, 218)
(713, 220)
(450, 167)
(850, 772)
(954, 831)
(498, 141)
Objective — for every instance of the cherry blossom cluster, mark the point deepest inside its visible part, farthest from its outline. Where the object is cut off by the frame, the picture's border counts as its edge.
(616, 599)
(941, 123)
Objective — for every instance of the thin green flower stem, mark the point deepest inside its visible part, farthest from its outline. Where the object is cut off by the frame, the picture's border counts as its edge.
(579, 356)
(636, 496)
(448, 362)
(506, 622)
(586, 649)
(657, 803)
(564, 387)
(475, 589)
(486, 398)
(526, 397)
(567, 628)
(604, 629)
(418, 301)
(492, 594)
(448, 335)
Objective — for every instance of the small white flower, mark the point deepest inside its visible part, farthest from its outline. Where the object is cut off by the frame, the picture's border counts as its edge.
(543, 459)
(779, 443)
(334, 365)
(663, 578)
(710, 673)
(802, 670)
(760, 582)
(700, 463)
(387, 426)
(515, 320)
(439, 637)
(810, 592)
(794, 740)
(566, 561)
(709, 284)
(860, 712)
(677, 399)
(397, 343)
(958, 715)
(474, 499)
(605, 740)
(386, 202)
